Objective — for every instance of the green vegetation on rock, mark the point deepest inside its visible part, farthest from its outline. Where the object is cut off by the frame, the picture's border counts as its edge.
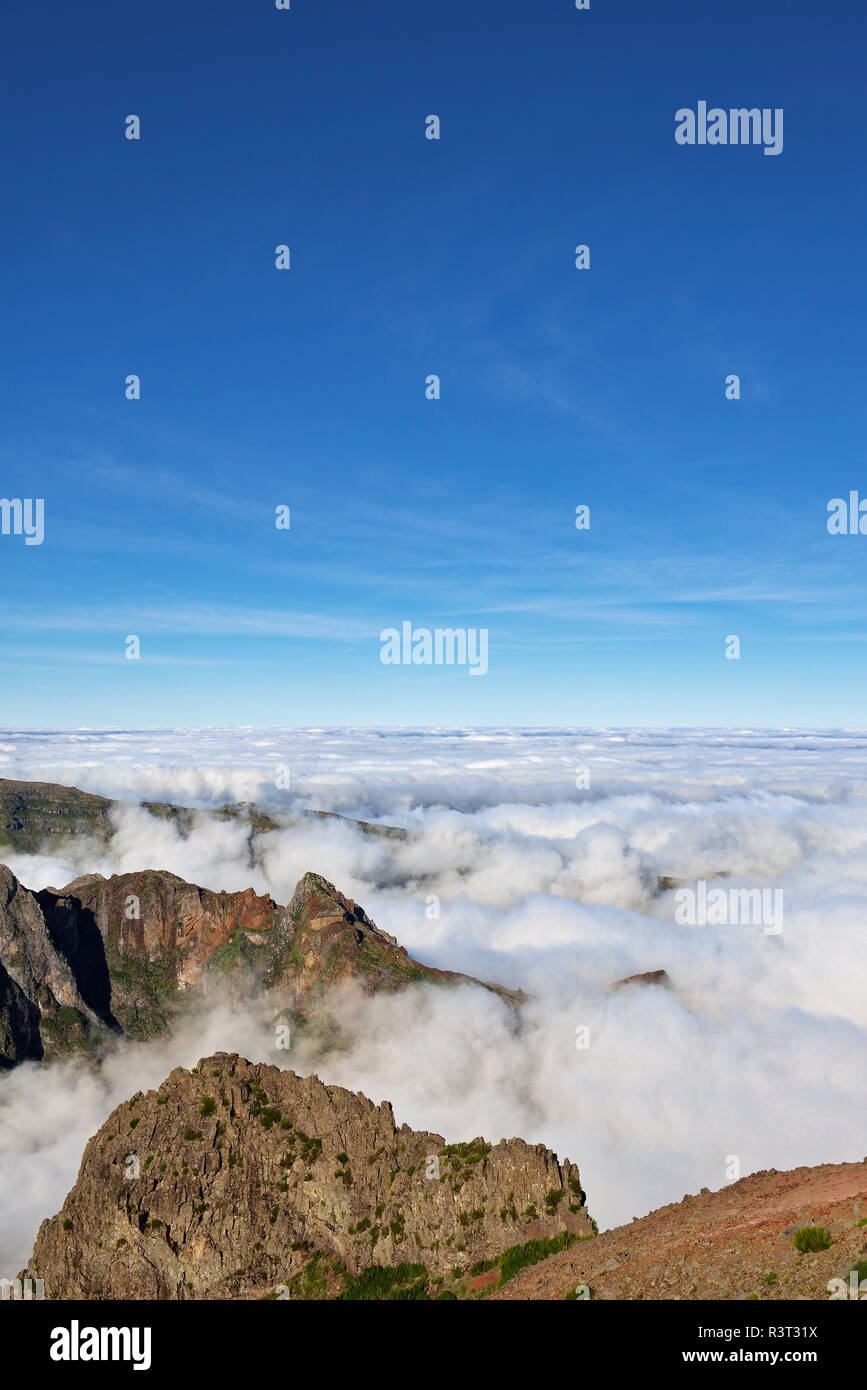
(811, 1238)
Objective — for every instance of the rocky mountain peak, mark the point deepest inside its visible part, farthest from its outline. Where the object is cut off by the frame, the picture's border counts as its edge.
(231, 1178)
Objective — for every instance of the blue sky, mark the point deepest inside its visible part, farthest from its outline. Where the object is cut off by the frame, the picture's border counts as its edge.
(410, 257)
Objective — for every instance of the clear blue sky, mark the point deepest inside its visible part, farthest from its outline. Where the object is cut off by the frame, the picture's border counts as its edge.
(410, 257)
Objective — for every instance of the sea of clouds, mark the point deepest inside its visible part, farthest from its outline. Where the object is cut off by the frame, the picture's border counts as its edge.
(759, 1051)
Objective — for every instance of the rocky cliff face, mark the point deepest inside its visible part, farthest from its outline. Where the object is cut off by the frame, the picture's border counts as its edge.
(238, 1180)
(155, 933)
(42, 1007)
(101, 956)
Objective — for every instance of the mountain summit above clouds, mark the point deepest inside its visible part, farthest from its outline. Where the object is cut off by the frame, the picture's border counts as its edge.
(122, 955)
(236, 1181)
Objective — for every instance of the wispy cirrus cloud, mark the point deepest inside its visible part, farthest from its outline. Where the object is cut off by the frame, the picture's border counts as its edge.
(198, 619)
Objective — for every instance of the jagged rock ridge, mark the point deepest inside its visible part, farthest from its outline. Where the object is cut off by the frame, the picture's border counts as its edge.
(103, 956)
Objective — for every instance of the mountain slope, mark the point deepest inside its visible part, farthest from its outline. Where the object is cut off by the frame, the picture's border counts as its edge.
(38, 816)
(737, 1243)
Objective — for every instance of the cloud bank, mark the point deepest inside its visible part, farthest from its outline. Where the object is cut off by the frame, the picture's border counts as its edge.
(759, 1051)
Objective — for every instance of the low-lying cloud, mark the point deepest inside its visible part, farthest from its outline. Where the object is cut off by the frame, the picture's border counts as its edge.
(759, 1051)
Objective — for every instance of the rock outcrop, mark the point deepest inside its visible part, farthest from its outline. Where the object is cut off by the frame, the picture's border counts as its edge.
(237, 1180)
(660, 978)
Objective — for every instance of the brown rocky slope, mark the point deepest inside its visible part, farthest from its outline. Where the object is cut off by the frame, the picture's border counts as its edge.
(234, 1179)
(737, 1243)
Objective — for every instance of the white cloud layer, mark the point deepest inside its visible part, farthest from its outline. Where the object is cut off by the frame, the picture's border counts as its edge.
(759, 1052)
